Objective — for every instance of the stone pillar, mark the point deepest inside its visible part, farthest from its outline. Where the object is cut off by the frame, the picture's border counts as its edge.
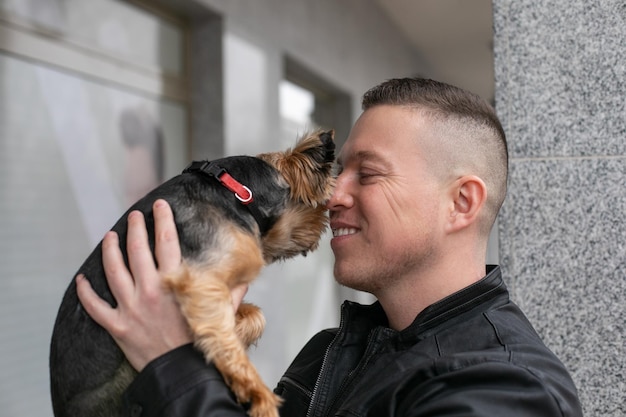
(560, 69)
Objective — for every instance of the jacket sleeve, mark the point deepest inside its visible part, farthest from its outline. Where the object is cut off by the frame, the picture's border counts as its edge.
(488, 389)
(180, 383)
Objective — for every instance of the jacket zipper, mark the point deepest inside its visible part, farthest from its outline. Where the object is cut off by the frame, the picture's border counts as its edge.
(318, 381)
(367, 356)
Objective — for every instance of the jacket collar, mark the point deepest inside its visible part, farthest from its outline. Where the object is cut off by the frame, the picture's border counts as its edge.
(481, 295)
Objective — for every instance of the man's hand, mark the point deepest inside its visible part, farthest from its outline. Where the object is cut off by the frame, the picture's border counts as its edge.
(147, 321)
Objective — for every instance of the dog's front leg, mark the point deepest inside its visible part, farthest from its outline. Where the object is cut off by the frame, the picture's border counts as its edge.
(204, 296)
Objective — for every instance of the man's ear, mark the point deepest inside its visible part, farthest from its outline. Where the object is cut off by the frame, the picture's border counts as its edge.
(468, 196)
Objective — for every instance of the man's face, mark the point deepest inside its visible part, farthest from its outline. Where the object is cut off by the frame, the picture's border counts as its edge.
(386, 211)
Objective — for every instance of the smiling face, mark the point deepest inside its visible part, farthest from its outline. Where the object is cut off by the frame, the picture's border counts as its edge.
(387, 209)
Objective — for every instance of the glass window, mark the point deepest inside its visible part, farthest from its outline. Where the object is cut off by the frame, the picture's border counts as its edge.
(110, 27)
(297, 105)
(77, 147)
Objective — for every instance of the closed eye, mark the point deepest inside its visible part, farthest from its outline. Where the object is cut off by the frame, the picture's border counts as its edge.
(366, 177)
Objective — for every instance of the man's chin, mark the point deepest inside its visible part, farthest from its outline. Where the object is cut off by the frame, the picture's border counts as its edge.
(349, 278)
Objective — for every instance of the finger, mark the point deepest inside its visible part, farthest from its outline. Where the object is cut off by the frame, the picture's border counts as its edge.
(118, 277)
(140, 257)
(167, 246)
(98, 309)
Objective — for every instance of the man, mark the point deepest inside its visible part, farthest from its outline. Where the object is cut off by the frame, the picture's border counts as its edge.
(422, 177)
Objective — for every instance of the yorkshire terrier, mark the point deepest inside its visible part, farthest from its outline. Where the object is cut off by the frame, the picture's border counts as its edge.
(233, 215)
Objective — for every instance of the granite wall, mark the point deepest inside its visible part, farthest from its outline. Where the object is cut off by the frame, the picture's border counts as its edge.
(560, 70)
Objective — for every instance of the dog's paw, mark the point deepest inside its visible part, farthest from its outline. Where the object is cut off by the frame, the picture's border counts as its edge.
(264, 404)
(250, 323)
(248, 387)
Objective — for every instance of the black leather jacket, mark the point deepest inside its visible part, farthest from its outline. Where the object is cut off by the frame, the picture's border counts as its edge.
(473, 353)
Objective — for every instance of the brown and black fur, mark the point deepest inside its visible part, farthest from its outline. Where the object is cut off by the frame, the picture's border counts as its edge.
(222, 247)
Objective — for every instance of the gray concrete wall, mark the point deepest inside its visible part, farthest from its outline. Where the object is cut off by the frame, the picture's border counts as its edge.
(560, 91)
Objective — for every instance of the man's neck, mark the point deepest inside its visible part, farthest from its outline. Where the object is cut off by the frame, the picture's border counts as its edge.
(411, 296)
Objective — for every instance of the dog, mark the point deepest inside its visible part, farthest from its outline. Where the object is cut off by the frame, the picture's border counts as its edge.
(233, 215)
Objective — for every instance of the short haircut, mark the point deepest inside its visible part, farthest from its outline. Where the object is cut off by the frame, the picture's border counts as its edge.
(469, 129)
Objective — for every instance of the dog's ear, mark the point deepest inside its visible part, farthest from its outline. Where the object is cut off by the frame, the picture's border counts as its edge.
(328, 146)
(307, 167)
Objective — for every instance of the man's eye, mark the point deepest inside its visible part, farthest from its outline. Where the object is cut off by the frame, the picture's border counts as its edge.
(367, 175)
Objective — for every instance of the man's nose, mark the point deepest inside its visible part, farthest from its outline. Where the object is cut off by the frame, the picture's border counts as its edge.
(341, 196)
